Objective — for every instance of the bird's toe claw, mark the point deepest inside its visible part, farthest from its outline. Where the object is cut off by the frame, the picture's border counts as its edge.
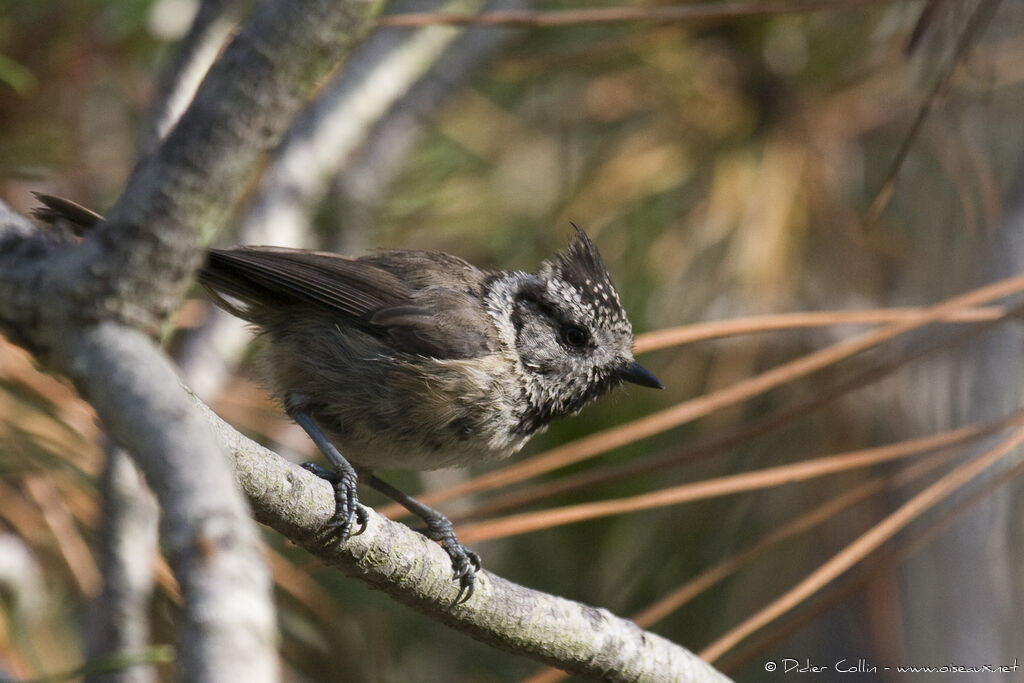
(346, 503)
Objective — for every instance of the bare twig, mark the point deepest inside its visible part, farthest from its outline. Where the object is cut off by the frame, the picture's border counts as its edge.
(975, 25)
(700, 583)
(878, 564)
(690, 410)
(764, 424)
(716, 329)
(865, 544)
(721, 486)
(708, 11)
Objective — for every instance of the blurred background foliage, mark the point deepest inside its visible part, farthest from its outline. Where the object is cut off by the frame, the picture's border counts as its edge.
(725, 168)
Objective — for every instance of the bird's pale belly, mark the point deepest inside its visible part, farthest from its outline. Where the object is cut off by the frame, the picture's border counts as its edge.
(439, 413)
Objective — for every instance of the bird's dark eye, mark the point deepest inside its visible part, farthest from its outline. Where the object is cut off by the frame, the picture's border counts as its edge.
(574, 336)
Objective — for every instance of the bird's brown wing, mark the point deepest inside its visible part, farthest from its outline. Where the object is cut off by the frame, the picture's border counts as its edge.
(275, 276)
(416, 317)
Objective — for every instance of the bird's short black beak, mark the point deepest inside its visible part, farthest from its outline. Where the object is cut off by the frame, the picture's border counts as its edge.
(638, 374)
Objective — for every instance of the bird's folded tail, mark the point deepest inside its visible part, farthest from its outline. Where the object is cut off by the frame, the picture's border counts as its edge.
(58, 209)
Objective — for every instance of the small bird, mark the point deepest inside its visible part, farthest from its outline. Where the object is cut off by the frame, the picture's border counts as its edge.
(418, 360)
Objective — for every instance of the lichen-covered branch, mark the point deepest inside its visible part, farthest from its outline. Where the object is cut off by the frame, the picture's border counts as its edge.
(389, 556)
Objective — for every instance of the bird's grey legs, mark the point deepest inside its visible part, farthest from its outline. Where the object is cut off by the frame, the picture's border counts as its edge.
(343, 477)
(465, 562)
(347, 510)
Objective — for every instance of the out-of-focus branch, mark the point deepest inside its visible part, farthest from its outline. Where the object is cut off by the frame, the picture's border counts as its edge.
(706, 11)
(336, 123)
(979, 19)
(389, 85)
(80, 306)
(214, 552)
(229, 629)
(370, 173)
(391, 557)
(180, 194)
(120, 617)
(213, 23)
(21, 577)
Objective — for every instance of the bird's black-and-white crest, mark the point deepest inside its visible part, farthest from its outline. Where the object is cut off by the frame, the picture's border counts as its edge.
(580, 266)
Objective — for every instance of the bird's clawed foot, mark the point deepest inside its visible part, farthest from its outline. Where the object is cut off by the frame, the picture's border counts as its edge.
(348, 511)
(350, 517)
(465, 562)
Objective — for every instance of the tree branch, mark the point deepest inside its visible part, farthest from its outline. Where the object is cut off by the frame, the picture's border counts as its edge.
(179, 195)
(393, 558)
(229, 631)
(334, 125)
(197, 50)
(369, 174)
(381, 76)
(119, 618)
(79, 308)
(708, 11)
